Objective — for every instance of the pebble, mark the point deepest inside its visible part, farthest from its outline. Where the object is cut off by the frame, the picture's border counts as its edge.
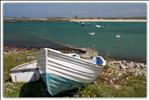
(117, 87)
(123, 66)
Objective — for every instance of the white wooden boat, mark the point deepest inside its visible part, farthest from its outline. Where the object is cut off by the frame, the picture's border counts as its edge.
(26, 72)
(61, 72)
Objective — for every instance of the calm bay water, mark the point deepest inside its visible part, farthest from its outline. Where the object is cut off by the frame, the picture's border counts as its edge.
(130, 45)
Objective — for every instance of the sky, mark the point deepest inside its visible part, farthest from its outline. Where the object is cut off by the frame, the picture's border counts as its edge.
(37, 10)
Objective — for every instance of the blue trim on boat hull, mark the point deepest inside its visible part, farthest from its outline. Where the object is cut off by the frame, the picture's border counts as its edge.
(56, 84)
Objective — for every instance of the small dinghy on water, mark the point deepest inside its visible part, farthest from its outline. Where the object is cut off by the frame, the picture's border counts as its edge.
(62, 72)
(91, 33)
(117, 36)
(98, 26)
(82, 24)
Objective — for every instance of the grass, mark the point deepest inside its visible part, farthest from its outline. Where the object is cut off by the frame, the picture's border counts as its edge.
(11, 60)
(11, 89)
(14, 59)
(134, 87)
(129, 86)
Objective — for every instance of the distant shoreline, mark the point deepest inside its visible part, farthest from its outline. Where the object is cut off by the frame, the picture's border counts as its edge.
(108, 20)
(12, 19)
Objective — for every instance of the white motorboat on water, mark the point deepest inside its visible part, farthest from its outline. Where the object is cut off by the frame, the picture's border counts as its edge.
(82, 24)
(117, 36)
(91, 33)
(98, 26)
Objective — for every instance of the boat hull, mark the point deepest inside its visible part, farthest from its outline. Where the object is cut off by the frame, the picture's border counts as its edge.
(56, 84)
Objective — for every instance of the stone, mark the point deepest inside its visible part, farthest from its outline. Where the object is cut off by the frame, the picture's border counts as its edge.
(142, 65)
(120, 74)
(117, 87)
(127, 78)
(123, 61)
(123, 66)
(30, 57)
(137, 65)
(131, 64)
(111, 81)
(18, 59)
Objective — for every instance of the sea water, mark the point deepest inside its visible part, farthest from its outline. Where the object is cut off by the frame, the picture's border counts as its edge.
(119, 39)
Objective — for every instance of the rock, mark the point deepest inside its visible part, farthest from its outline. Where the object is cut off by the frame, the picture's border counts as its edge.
(18, 59)
(123, 66)
(116, 78)
(137, 65)
(142, 65)
(30, 57)
(120, 74)
(138, 73)
(111, 81)
(131, 64)
(89, 54)
(85, 56)
(117, 87)
(123, 62)
(127, 78)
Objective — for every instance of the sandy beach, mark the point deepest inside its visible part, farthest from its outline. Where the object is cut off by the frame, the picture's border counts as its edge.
(108, 20)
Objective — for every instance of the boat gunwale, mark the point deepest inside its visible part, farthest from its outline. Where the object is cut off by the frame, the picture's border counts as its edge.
(21, 65)
(55, 51)
(24, 70)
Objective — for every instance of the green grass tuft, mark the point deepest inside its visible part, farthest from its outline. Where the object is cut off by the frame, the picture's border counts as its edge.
(134, 87)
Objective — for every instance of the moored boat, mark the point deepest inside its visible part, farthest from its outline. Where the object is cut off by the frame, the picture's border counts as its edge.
(91, 33)
(117, 36)
(98, 26)
(61, 72)
(82, 24)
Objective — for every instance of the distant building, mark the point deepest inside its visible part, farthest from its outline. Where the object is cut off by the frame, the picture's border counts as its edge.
(76, 17)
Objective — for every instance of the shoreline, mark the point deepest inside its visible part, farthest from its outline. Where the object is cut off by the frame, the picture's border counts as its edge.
(107, 20)
(12, 49)
(76, 20)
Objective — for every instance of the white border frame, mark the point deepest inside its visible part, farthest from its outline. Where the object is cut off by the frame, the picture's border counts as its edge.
(3, 2)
